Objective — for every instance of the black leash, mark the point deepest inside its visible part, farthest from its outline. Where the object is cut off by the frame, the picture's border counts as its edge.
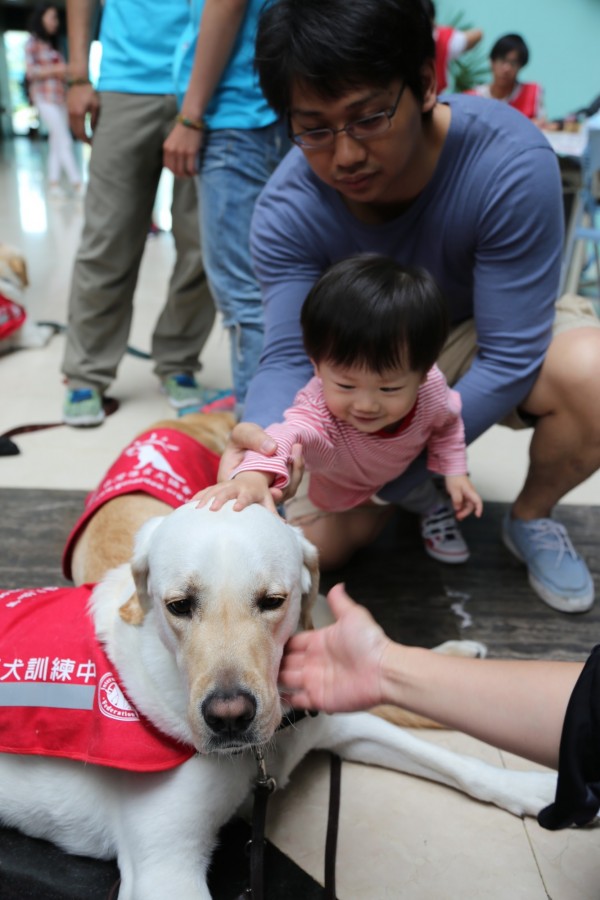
(333, 819)
(8, 446)
(264, 786)
(61, 329)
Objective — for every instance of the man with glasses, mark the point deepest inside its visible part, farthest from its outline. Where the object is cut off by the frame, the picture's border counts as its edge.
(467, 189)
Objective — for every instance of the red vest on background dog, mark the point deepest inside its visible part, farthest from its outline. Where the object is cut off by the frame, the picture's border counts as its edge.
(12, 316)
(60, 694)
(165, 463)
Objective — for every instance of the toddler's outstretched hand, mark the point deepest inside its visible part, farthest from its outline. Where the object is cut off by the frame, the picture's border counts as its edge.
(245, 488)
(465, 498)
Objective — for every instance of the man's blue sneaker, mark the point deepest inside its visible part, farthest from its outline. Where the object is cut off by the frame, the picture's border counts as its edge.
(83, 407)
(557, 573)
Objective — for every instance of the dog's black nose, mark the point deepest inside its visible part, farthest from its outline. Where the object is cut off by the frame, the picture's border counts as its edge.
(229, 713)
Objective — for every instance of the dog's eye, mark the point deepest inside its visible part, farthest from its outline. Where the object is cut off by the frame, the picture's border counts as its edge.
(181, 607)
(270, 601)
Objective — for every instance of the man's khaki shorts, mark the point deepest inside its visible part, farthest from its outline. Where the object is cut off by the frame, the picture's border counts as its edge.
(459, 351)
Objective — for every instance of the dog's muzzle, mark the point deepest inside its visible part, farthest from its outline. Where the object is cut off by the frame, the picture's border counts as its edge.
(229, 715)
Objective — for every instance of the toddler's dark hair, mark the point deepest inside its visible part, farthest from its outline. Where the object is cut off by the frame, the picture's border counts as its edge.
(371, 312)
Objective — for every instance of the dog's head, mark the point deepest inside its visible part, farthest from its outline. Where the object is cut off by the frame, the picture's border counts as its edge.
(227, 589)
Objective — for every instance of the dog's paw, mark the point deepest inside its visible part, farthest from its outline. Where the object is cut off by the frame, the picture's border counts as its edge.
(524, 793)
(32, 335)
(471, 649)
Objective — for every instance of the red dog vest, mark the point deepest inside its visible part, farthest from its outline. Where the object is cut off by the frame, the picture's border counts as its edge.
(60, 694)
(165, 463)
(12, 316)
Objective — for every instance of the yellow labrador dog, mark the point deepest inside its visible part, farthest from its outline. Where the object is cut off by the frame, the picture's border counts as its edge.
(13, 282)
(195, 627)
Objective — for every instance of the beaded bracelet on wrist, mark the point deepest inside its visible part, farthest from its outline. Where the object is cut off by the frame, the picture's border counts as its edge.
(195, 124)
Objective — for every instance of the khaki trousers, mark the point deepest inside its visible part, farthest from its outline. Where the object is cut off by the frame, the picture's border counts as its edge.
(572, 311)
(125, 168)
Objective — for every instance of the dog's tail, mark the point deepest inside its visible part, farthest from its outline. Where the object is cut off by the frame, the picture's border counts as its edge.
(403, 718)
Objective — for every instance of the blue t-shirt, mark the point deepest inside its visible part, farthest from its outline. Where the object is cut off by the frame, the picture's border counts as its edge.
(488, 226)
(138, 40)
(238, 101)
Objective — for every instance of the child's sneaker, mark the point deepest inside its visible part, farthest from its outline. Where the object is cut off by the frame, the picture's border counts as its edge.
(83, 407)
(441, 535)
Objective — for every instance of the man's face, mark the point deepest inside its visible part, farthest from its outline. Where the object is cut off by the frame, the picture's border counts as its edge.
(386, 169)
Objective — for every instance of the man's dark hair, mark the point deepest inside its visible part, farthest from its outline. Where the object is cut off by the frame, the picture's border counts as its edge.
(429, 9)
(334, 46)
(36, 26)
(506, 44)
(368, 311)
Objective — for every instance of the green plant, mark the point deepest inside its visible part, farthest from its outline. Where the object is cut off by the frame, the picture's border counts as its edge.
(472, 67)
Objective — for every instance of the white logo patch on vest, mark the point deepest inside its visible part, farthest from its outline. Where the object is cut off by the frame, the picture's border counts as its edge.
(112, 702)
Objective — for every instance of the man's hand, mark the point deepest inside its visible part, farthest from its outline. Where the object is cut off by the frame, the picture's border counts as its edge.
(81, 100)
(338, 668)
(249, 436)
(181, 150)
(246, 488)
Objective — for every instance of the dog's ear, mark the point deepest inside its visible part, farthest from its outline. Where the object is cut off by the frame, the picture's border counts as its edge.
(133, 611)
(310, 579)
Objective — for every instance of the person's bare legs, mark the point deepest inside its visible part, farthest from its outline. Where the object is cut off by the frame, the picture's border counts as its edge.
(338, 535)
(565, 447)
(564, 451)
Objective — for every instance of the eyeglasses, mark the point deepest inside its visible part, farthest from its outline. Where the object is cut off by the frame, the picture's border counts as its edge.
(360, 129)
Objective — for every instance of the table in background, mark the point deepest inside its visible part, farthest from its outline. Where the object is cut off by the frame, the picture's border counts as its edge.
(569, 147)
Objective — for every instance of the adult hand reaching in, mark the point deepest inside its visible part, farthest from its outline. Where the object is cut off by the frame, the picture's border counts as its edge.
(338, 668)
(249, 436)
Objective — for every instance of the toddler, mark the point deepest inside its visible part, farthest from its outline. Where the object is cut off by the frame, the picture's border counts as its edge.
(373, 330)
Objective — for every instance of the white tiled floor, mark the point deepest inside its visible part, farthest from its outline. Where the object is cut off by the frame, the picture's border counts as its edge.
(400, 837)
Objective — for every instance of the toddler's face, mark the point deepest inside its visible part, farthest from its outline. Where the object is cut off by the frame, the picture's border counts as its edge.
(368, 400)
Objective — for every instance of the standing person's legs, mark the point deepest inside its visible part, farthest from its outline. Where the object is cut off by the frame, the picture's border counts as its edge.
(49, 116)
(187, 318)
(65, 148)
(125, 167)
(235, 167)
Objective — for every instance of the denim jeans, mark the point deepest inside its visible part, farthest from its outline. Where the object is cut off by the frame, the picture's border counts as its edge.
(234, 167)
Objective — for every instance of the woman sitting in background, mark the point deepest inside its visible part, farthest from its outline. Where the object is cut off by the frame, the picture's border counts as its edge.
(46, 76)
(507, 57)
